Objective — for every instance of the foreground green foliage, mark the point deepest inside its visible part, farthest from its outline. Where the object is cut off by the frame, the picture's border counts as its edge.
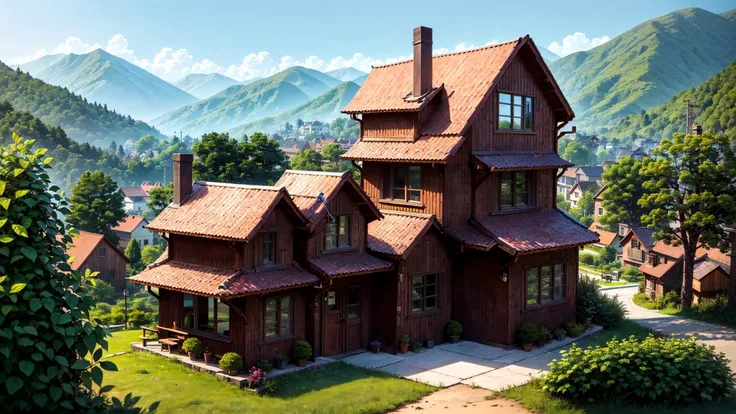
(661, 370)
(231, 363)
(605, 310)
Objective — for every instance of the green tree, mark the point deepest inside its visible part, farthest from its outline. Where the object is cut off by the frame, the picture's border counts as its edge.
(50, 353)
(564, 205)
(150, 253)
(604, 155)
(102, 292)
(587, 204)
(578, 154)
(145, 143)
(308, 160)
(221, 158)
(96, 205)
(133, 253)
(160, 198)
(331, 157)
(624, 187)
(691, 190)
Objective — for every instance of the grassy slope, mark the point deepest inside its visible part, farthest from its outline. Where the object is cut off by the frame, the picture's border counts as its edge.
(336, 388)
(645, 65)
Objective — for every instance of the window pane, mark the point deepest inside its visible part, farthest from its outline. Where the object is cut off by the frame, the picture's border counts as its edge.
(504, 98)
(546, 281)
(532, 286)
(206, 314)
(521, 181)
(517, 123)
(354, 304)
(431, 279)
(504, 122)
(331, 236)
(431, 302)
(398, 193)
(522, 200)
(285, 321)
(529, 114)
(269, 248)
(270, 318)
(415, 181)
(417, 305)
(188, 312)
(507, 182)
(430, 290)
(414, 195)
(417, 280)
(343, 239)
(504, 110)
(399, 177)
(517, 100)
(223, 319)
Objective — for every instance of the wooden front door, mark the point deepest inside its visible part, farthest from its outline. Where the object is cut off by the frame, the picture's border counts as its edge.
(343, 325)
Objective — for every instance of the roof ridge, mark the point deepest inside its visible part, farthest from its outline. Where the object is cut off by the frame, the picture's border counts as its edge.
(452, 53)
(514, 152)
(306, 172)
(245, 186)
(406, 214)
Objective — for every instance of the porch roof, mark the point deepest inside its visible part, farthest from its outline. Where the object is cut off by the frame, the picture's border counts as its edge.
(348, 264)
(471, 237)
(221, 283)
(522, 160)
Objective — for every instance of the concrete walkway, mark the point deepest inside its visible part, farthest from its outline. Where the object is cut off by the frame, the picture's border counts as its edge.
(724, 339)
(468, 363)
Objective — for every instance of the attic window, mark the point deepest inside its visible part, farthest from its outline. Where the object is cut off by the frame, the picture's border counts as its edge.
(515, 112)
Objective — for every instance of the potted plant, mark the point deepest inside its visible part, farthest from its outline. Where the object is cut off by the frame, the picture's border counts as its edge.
(415, 346)
(281, 361)
(404, 341)
(454, 330)
(543, 334)
(376, 346)
(559, 334)
(528, 335)
(588, 321)
(231, 363)
(193, 347)
(264, 365)
(207, 356)
(257, 379)
(301, 352)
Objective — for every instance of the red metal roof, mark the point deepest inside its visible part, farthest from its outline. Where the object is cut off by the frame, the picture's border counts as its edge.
(471, 237)
(221, 283)
(424, 149)
(129, 223)
(83, 246)
(527, 160)
(397, 233)
(659, 270)
(223, 211)
(536, 231)
(348, 264)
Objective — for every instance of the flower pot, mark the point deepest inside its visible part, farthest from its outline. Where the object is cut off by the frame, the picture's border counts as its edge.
(301, 363)
(561, 338)
(430, 343)
(403, 348)
(541, 342)
(192, 355)
(375, 349)
(283, 364)
(454, 339)
(588, 321)
(528, 347)
(207, 357)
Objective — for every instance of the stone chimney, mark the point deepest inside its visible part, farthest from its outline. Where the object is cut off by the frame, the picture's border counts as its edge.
(697, 129)
(182, 177)
(422, 60)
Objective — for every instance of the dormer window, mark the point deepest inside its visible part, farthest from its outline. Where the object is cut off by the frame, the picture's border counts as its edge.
(515, 112)
(269, 248)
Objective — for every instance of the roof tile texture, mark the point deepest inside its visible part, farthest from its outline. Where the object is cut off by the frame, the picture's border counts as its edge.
(396, 233)
(471, 237)
(129, 224)
(522, 161)
(424, 149)
(349, 264)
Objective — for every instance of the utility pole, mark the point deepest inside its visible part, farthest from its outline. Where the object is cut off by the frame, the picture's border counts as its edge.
(688, 116)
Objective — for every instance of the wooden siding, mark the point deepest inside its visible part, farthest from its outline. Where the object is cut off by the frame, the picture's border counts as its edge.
(715, 281)
(459, 181)
(342, 204)
(390, 125)
(432, 188)
(113, 259)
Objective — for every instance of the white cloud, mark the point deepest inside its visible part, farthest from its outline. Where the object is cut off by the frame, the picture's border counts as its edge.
(576, 42)
(74, 44)
(460, 47)
(118, 46)
(168, 63)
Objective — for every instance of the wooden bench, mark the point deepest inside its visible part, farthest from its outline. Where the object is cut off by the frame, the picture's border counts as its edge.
(168, 343)
(144, 339)
(173, 337)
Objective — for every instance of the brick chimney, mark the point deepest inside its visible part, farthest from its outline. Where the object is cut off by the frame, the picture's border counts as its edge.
(422, 60)
(697, 129)
(182, 177)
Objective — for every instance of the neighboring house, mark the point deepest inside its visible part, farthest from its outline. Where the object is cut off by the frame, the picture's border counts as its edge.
(133, 227)
(94, 252)
(136, 198)
(589, 141)
(316, 127)
(579, 189)
(607, 164)
(589, 173)
(574, 175)
(606, 238)
(566, 181)
(636, 245)
(252, 269)
(637, 154)
(291, 150)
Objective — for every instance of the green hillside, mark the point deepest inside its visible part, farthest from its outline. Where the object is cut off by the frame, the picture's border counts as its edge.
(82, 120)
(715, 109)
(204, 85)
(730, 15)
(645, 66)
(324, 108)
(240, 104)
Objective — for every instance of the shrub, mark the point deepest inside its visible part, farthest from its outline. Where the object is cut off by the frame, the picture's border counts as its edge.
(642, 286)
(102, 292)
(256, 377)
(264, 365)
(415, 346)
(454, 328)
(231, 363)
(301, 351)
(633, 274)
(587, 258)
(404, 339)
(610, 312)
(137, 318)
(559, 334)
(591, 302)
(528, 333)
(542, 333)
(574, 329)
(587, 221)
(653, 370)
(193, 345)
(670, 300)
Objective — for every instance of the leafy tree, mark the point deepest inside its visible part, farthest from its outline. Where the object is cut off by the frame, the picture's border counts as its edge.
(564, 205)
(101, 292)
(160, 198)
(150, 253)
(587, 204)
(331, 156)
(691, 189)
(576, 212)
(133, 253)
(624, 187)
(299, 123)
(288, 128)
(221, 158)
(604, 155)
(578, 154)
(50, 352)
(587, 221)
(308, 159)
(145, 143)
(113, 147)
(96, 205)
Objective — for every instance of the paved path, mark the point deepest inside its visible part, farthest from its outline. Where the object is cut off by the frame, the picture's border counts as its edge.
(468, 363)
(724, 339)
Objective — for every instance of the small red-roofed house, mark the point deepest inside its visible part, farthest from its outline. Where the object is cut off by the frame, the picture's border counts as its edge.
(94, 252)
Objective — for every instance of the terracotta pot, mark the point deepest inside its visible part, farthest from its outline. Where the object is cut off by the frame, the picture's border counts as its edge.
(403, 348)
(301, 363)
(588, 321)
(375, 349)
(528, 347)
(207, 357)
(192, 356)
(454, 339)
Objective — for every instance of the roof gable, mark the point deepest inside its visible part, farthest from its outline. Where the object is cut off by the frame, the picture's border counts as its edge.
(85, 245)
(129, 223)
(398, 233)
(644, 234)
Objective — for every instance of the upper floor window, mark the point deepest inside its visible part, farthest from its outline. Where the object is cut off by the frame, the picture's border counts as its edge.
(515, 112)
(635, 243)
(337, 233)
(404, 184)
(101, 252)
(514, 189)
(269, 248)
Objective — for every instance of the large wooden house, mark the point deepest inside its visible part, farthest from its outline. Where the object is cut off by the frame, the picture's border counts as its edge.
(455, 218)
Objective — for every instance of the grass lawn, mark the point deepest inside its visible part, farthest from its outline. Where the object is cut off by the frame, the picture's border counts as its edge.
(334, 388)
(121, 340)
(714, 312)
(533, 398)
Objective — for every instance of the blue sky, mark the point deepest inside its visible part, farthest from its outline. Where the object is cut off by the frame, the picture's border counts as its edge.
(246, 38)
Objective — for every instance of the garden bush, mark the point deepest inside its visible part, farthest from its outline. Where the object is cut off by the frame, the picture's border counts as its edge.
(301, 351)
(587, 258)
(454, 328)
(606, 311)
(193, 345)
(528, 334)
(670, 300)
(264, 365)
(231, 363)
(632, 274)
(654, 370)
(574, 329)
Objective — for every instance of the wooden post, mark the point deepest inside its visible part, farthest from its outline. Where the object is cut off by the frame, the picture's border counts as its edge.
(732, 276)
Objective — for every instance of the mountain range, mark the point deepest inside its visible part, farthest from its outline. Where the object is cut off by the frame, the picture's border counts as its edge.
(119, 84)
(204, 85)
(646, 65)
(346, 74)
(325, 108)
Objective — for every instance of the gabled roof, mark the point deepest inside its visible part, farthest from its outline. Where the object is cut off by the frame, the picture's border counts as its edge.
(133, 191)
(304, 186)
(591, 170)
(704, 267)
(397, 233)
(224, 211)
(471, 237)
(570, 172)
(85, 245)
(536, 231)
(129, 223)
(349, 264)
(607, 238)
(598, 195)
(585, 186)
(659, 270)
(424, 149)
(644, 234)
(520, 160)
